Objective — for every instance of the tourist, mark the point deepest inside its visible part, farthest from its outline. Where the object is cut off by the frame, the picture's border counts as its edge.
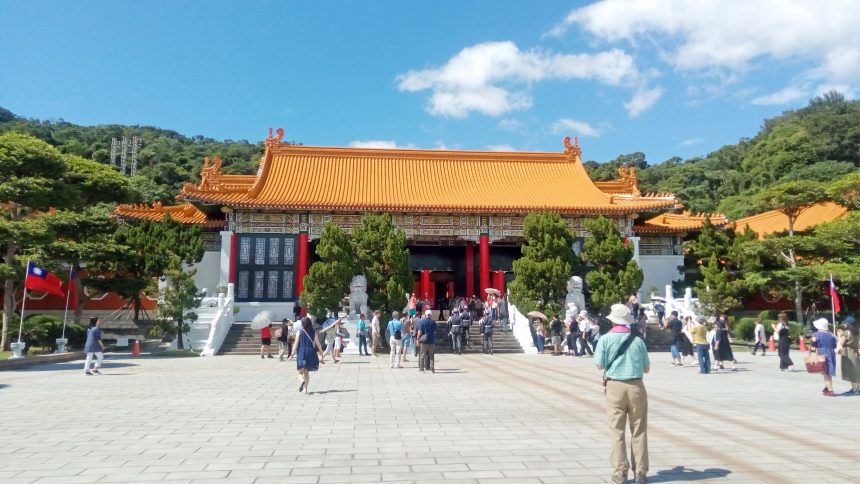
(94, 347)
(633, 304)
(687, 342)
(660, 309)
(723, 344)
(470, 306)
(675, 328)
(426, 336)
(305, 351)
(376, 333)
(583, 324)
(337, 340)
(572, 335)
(297, 312)
(454, 323)
(425, 306)
(783, 341)
(363, 333)
(540, 335)
(412, 305)
(624, 360)
(266, 341)
(825, 344)
(700, 340)
(555, 330)
(479, 309)
(395, 332)
(712, 339)
(494, 307)
(759, 337)
(407, 338)
(486, 328)
(282, 335)
(849, 349)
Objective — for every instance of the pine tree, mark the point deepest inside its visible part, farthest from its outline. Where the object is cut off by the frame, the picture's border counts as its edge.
(548, 261)
(329, 277)
(718, 291)
(176, 301)
(381, 255)
(615, 274)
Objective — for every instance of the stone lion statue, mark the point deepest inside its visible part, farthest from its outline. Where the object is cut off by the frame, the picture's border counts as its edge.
(575, 299)
(358, 297)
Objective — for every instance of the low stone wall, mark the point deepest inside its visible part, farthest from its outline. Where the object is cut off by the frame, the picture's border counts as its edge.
(12, 364)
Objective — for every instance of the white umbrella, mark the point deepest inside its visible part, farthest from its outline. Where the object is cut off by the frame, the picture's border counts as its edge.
(329, 324)
(262, 319)
(536, 314)
(492, 290)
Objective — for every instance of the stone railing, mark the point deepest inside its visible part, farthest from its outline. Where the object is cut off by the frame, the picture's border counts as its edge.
(217, 314)
(521, 327)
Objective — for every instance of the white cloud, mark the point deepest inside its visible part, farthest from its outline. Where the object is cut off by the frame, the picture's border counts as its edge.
(500, 148)
(728, 39)
(577, 128)
(783, 96)
(385, 144)
(493, 78)
(642, 101)
(690, 142)
(509, 124)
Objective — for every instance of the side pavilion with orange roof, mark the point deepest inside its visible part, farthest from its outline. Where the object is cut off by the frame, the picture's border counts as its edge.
(450, 204)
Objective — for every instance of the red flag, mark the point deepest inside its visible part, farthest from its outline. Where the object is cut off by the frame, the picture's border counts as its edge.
(837, 308)
(39, 279)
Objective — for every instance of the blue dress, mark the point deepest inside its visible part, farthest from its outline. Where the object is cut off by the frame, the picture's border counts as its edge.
(306, 355)
(826, 344)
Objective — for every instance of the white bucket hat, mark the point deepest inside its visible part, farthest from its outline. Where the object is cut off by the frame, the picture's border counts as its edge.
(821, 324)
(620, 314)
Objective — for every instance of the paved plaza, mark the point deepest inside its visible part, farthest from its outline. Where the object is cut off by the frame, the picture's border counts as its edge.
(511, 418)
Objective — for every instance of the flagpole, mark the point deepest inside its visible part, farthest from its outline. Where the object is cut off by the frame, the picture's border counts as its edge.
(832, 304)
(68, 292)
(23, 303)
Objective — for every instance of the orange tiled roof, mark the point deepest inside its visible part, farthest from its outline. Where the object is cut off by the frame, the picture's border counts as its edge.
(775, 222)
(185, 214)
(356, 179)
(625, 184)
(674, 223)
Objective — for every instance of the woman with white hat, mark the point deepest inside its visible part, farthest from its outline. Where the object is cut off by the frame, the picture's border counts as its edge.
(825, 344)
(849, 348)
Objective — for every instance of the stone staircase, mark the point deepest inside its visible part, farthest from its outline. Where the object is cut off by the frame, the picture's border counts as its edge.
(242, 340)
(657, 339)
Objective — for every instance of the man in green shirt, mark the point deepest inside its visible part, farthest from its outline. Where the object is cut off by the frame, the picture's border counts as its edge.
(625, 393)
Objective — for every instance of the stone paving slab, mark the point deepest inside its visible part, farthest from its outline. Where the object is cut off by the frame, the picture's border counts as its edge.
(479, 418)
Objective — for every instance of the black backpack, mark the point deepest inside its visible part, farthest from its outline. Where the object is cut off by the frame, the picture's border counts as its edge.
(397, 334)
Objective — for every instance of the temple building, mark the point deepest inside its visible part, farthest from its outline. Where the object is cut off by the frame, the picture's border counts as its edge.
(462, 213)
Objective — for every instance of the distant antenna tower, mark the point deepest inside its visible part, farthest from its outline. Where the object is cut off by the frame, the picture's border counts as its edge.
(114, 151)
(135, 145)
(123, 156)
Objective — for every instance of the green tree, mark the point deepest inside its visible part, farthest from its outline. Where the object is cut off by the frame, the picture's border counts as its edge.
(30, 182)
(790, 199)
(615, 274)
(548, 261)
(148, 250)
(718, 291)
(176, 301)
(381, 255)
(846, 191)
(328, 278)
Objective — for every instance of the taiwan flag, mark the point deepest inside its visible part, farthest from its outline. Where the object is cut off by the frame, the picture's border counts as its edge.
(837, 308)
(39, 279)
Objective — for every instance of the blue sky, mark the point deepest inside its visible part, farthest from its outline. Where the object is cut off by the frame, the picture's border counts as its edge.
(668, 78)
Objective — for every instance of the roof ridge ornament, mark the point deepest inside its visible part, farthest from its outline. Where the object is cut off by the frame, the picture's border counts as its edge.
(572, 150)
(275, 140)
(209, 173)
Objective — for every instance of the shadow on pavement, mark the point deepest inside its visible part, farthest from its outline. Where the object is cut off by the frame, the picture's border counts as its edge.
(331, 391)
(3, 385)
(72, 365)
(452, 370)
(681, 473)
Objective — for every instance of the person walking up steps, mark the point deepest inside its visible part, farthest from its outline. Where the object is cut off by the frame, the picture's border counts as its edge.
(622, 356)
(395, 330)
(305, 351)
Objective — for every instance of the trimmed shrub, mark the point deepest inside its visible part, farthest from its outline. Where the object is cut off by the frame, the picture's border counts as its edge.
(768, 314)
(744, 328)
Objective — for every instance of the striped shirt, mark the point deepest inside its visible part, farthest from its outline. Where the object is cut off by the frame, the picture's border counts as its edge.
(629, 366)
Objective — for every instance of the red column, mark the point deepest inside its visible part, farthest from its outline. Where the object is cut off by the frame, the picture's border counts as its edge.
(484, 274)
(234, 242)
(301, 263)
(425, 285)
(500, 281)
(470, 270)
(450, 291)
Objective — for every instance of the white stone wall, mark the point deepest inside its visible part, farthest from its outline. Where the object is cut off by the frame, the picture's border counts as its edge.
(208, 272)
(659, 271)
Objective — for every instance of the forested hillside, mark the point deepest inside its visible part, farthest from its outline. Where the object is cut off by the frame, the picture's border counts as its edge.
(166, 158)
(819, 142)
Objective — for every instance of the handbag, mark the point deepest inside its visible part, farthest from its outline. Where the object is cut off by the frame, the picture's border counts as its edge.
(423, 339)
(815, 364)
